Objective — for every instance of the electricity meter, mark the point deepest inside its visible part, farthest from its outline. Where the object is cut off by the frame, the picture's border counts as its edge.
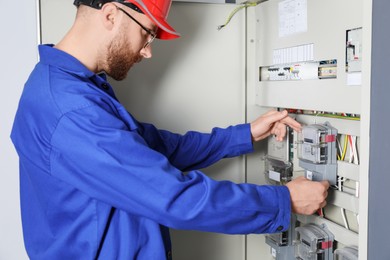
(314, 242)
(317, 152)
(347, 253)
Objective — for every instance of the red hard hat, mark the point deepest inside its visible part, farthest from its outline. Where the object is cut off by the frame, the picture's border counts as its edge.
(157, 11)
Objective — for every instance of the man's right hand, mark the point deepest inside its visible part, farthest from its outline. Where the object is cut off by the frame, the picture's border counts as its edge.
(307, 196)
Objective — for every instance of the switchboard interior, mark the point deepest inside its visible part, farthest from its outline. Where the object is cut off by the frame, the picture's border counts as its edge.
(308, 60)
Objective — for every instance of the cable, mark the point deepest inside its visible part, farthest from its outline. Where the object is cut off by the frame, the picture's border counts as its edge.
(343, 151)
(351, 154)
(354, 158)
(339, 150)
(242, 6)
(340, 117)
(344, 148)
(354, 141)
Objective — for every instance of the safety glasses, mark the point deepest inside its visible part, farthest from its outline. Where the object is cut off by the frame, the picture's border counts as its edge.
(152, 35)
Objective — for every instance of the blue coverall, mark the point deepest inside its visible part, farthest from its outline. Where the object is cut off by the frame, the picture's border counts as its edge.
(97, 184)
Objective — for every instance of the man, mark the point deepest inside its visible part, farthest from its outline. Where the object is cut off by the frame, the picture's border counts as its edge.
(98, 184)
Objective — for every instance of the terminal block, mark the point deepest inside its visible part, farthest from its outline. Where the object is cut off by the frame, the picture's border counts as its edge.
(314, 242)
(317, 152)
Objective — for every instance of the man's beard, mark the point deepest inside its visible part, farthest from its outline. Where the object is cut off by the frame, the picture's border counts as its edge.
(120, 57)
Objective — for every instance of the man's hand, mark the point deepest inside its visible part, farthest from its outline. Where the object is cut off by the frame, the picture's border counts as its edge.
(273, 122)
(307, 196)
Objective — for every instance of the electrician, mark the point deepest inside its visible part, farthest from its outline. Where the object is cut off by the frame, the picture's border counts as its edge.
(96, 183)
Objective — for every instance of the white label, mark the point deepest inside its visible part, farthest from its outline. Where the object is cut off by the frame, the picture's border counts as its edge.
(274, 176)
(298, 53)
(292, 17)
(354, 79)
(273, 252)
(309, 175)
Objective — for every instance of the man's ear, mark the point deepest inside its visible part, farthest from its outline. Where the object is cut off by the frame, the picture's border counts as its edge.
(109, 17)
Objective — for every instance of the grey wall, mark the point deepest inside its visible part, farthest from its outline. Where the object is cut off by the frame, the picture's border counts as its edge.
(18, 56)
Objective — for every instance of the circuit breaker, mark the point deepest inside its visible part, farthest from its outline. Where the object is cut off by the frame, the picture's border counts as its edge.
(308, 70)
(354, 50)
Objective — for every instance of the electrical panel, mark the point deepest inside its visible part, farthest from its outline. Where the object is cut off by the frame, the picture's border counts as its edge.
(311, 65)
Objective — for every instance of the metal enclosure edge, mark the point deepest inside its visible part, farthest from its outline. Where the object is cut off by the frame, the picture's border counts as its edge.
(379, 177)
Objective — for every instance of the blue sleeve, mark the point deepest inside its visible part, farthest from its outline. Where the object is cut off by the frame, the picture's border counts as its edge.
(98, 154)
(196, 150)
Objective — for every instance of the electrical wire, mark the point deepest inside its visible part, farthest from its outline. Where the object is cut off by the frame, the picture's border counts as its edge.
(355, 150)
(344, 148)
(339, 151)
(343, 151)
(344, 116)
(351, 154)
(354, 158)
(238, 8)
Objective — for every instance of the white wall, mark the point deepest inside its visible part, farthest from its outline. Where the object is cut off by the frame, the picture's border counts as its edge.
(18, 56)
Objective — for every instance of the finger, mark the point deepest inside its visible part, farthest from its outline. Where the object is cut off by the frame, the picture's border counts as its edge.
(324, 195)
(282, 130)
(325, 184)
(270, 112)
(291, 123)
(274, 129)
(279, 131)
(275, 116)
